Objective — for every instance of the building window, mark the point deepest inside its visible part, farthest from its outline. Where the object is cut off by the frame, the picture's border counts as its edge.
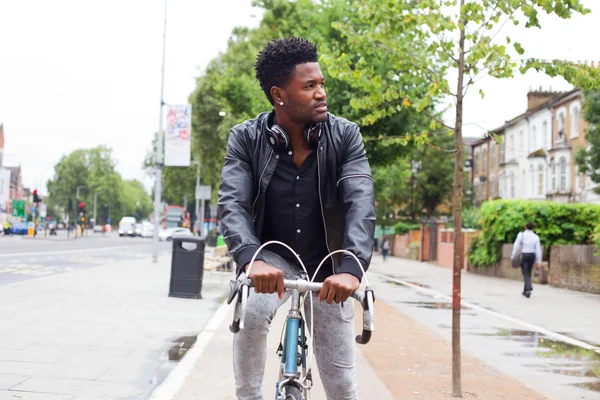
(563, 174)
(533, 139)
(575, 122)
(545, 135)
(492, 155)
(501, 159)
(541, 180)
(476, 167)
(561, 127)
(531, 187)
(553, 173)
(511, 147)
(521, 144)
(512, 185)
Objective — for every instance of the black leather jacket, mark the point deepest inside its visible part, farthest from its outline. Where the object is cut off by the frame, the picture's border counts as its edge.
(345, 191)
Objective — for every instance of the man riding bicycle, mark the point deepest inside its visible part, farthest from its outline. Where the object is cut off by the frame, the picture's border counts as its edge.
(299, 175)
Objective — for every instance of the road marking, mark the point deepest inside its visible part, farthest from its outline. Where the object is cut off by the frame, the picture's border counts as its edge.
(45, 253)
(175, 380)
(484, 310)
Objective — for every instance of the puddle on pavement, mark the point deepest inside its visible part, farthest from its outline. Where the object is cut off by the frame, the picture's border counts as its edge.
(181, 347)
(432, 305)
(578, 362)
(404, 286)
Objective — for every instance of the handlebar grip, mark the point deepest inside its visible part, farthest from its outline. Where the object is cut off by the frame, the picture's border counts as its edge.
(364, 337)
(235, 326)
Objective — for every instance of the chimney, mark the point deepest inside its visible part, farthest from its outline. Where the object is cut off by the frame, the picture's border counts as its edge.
(537, 98)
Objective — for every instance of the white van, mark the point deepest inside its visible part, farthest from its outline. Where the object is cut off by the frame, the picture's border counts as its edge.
(127, 226)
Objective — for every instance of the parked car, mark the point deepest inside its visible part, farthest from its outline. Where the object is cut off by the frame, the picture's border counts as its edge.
(138, 229)
(169, 234)
(147, 230)
(98, 229)
(19, 228)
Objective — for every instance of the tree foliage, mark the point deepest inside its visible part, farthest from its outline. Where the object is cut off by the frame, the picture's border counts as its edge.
(555, 223)
(227, 92)
(95, 170)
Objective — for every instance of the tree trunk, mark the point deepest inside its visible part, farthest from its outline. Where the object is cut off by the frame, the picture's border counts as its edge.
(458, 201)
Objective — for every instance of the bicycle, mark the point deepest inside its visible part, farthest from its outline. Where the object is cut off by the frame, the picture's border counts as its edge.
(292, 383)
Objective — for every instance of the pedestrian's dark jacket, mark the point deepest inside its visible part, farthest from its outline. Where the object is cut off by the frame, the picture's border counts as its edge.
(345, 190)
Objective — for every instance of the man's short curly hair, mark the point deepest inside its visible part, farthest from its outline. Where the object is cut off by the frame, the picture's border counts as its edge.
(276, 63)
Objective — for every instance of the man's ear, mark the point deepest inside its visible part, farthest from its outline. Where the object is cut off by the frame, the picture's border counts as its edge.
(279, 95)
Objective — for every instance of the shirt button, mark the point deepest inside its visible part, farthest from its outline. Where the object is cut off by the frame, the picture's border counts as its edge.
(297, 177)
(297, 205)
(290, 153)
(277, 157)
(298, 231)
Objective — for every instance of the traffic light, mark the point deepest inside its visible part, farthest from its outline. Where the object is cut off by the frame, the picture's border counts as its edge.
(81, 207)
(36, 198)
(70, 205)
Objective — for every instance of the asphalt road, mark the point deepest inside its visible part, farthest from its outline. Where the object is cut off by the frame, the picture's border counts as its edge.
(23, 258)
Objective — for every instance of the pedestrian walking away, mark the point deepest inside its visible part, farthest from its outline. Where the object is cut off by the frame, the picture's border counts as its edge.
(385, 248)
(297, 175)
(528, 245)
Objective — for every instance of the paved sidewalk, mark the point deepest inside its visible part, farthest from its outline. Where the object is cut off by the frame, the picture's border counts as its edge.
(101, 333)
(403, 361)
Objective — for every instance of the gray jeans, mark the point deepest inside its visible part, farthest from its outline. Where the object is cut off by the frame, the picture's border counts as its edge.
(333, 341)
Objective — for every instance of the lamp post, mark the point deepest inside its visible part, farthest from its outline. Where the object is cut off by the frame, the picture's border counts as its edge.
(159, 150)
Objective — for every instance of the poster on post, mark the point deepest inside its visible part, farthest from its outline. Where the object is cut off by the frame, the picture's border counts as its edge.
(178, 136)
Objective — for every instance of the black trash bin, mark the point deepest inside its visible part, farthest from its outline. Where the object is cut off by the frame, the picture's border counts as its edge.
(187, 267)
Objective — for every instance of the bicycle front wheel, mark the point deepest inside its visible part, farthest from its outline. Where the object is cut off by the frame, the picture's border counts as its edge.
(293, 392)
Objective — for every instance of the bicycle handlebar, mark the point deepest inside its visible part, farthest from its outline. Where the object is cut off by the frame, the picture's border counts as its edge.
(366, 300)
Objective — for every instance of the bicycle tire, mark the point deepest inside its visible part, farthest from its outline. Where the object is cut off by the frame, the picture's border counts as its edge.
(293, 392)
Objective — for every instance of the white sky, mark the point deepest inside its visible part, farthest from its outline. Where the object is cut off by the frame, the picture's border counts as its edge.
(76, 73)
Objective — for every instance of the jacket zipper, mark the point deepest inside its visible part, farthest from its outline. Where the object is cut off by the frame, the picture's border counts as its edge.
(260, 180)
(321, 204)
(354, 176)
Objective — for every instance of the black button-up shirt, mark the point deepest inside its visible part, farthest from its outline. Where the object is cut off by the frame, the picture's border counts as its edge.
(293, 214)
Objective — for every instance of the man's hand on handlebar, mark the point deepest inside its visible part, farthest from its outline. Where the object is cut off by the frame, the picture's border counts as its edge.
(338, 288)
(266, 279)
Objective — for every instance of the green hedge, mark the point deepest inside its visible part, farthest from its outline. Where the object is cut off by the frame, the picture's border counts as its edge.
(555, 223)
(402, 228)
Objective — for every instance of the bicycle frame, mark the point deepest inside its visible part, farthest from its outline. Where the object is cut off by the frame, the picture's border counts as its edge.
(293, 351)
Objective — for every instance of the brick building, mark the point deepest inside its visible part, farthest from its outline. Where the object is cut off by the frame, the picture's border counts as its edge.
(535, 157)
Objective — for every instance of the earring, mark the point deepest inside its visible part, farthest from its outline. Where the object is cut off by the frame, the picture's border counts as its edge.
(281, 103)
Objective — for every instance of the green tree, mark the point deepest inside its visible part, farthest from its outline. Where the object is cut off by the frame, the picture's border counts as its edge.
(588, 160)
(227, 92)
(93, 170)
(422, 40)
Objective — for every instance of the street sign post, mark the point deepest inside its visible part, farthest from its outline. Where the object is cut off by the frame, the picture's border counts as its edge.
(18, 208)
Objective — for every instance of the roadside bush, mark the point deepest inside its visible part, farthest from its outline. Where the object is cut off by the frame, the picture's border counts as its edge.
(470, 218)
(555, 223)
(597, 236)
(402, 228)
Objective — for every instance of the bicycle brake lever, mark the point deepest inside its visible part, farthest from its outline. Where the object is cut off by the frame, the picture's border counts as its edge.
(233, 290)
